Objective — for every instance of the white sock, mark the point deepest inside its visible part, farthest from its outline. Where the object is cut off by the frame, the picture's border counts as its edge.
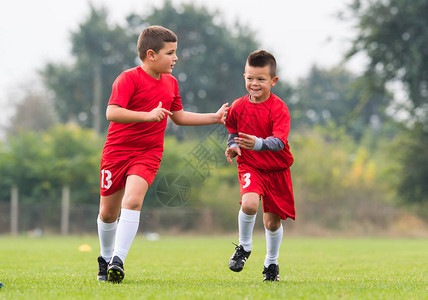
(273, 242)
(126, 230)
(106, 234)
(246, 226)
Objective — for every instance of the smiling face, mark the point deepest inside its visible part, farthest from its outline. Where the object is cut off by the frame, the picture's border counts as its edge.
(258, 82)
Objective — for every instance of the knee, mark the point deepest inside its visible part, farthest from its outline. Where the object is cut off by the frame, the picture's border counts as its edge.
(250, 203)
(108, 213)
(249, 209)
(272, 225)
(107, 216)
(132, 202)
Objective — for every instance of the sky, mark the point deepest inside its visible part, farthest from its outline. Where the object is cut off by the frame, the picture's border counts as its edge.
(299, 33)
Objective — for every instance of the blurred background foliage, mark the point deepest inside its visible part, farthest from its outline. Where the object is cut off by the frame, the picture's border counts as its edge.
(355, 159)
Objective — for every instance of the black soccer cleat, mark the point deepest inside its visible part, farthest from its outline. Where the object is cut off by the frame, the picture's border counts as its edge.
(238, 259)
(115, 270)
(102, 269)
(271, 273)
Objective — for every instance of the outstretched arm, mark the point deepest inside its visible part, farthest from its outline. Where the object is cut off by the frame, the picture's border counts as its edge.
(186, 118)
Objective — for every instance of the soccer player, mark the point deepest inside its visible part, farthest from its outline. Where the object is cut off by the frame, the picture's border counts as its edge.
(258, 125)
(1, 284)
(141, 100)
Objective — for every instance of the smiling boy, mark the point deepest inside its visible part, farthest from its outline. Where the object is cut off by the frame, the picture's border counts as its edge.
(259, 124)
(141, 100)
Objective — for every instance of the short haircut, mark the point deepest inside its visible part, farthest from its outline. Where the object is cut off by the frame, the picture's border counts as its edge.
(154, 37)
(262, 58)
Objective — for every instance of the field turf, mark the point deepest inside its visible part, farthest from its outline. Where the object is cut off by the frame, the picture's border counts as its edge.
(196, 268)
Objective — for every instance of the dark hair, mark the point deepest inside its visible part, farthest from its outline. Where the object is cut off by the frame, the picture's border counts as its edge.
(154, 37)
(262, 58)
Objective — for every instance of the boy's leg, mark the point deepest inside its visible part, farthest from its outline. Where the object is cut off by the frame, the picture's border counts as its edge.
(135, 190)
(247, 219)
(274, 232)
(107, 222)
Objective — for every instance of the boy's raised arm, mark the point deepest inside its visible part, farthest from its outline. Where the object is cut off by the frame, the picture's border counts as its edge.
(186, 118)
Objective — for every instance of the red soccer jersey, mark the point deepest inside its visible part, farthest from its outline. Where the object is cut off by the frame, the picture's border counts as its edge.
(135, 90)
(269, 118)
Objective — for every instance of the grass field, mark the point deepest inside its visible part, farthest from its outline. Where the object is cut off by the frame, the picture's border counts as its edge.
(196, 268)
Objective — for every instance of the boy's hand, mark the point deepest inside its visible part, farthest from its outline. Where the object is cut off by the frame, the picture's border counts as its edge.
(231, 153)
(158, 114)
(222, 113)
(245, 141)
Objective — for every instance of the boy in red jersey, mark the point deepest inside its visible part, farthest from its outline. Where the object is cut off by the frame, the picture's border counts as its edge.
(258, 126)
(141, 100)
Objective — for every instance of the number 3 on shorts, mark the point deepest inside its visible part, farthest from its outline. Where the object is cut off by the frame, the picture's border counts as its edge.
(247, 180)
(106, 179)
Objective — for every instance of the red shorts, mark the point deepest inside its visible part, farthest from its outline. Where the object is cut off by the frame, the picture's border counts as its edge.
(274, 186)
(113, 173)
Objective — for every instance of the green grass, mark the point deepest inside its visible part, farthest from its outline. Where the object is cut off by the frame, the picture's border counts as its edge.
(196, 268)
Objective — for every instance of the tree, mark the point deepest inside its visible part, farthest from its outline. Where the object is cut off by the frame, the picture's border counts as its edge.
(394, 36)
(33, 112)
(40, 167)
(24, 162)
(75, 164)
(413, 186)
(74, 160)
(39, 164)
(82, 89)
(340, 97)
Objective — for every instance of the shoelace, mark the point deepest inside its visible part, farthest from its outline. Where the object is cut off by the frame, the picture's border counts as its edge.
(117, 264)
(270, 272)
(238, 252)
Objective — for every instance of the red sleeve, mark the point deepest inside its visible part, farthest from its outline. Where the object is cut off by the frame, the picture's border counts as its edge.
(231, 119)
(281, 123)
(176, 104)
(122, 90)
